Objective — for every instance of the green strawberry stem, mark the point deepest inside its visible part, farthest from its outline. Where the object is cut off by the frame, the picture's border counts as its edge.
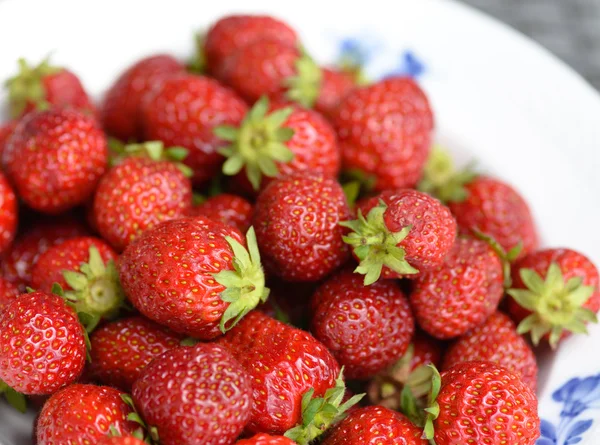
(245, 285)
(556, 304)
(304, 87)
(433, 408)
(144, 432)
(197, 63)
(154, 150)
(507, 258)
(258, 143)
(14, 398)
(319, 413)
(376, 246)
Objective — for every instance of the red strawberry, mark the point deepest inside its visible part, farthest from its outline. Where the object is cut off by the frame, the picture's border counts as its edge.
(193, 275)
(55, 159)
(122, 349)
(385, 131)
(495, 341)
(375, 425)
(266, 439)
(461, 293)
(229, 209)
(366, 328)
(297, 226)
(42, 344)
(184, 110)
(555, 292)
(402, 232)
(82, 415)
(8, 214)
(8, 293)
(233, 32)
(140, 193)
(43, 86)
(122, 102)
(335, 86)
(6, 130)
(195, 395)
(284, 141)
(121, 440)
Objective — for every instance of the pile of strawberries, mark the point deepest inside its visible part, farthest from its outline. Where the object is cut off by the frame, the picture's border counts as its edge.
(269, 252)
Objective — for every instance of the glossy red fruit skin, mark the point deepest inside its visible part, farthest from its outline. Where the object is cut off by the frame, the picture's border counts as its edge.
(6, 130)
(495, 341)
(496, 209)
(266, 439)
(335, 86)
(375, 425)
(42, 344)
(231, 33)
(167, 273)
(123, 348)
(120, 113)
(83, 414)
(460, 294)
(485, 403)
(384, 130)
(121, 440)
(69, 255)
(184, 110)
(296, 219)
(366, 328)
(55, 158)
(226, 208)
(137, 195)
(8, 213)
(8, 293)
(198, 394)
(283, 363)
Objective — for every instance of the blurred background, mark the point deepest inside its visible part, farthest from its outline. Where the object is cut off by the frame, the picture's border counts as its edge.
(568, 28)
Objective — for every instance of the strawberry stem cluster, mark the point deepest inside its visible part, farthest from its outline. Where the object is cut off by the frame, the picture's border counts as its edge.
(304, 87)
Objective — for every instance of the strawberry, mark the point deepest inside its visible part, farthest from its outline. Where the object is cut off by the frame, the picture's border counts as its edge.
(184, 110)
(384, 132)
(555, 292)
(42, 344)
(375, 425)
(122, 102)
(6, 130)
(43, 86)
(297, 226)
(495, 341)
(123, 348)
(400, 233)
(55, 158)
(84, 414)
(231, 33)
(140, 192)
(194, 275)
(8, 293)
(335, 86)
(229, 209)
(121, 440)
(8, 214)
(461, 293)
(266, 439)
(366, 328)
(286, 140)
(193, 395)
(425, 350)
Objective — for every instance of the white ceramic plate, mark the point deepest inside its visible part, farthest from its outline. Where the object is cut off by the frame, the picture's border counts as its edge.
(498, 98)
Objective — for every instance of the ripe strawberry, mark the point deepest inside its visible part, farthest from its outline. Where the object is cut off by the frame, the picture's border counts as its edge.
(194, 275)
(139, 193)
(55, 159)
(400, 233)
(121, 440)
(8, 214)
(335, 86)
(461, 293)
(122, 102)
(83, 414)
(287, 140)
(384, 132)
(195, 395)
(297, 226)
(184, 110)
(375, 425)
(42, 344)
(495, 341)
(8, 293)
(366, 328)
(229, 209)
(43, 86)
(555, 292)
(123, 348)
(6, 130)
(266, 439)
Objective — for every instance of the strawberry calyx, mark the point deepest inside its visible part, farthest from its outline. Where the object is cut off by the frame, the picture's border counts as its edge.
(376, 246)
(27, 86)
(245, 285)
(305, 85)
(433, 408)
(556, 304)
(507, 258)
(197, 63)
(154, 150)
(319, 413)
(14, 398)
(145, 433)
